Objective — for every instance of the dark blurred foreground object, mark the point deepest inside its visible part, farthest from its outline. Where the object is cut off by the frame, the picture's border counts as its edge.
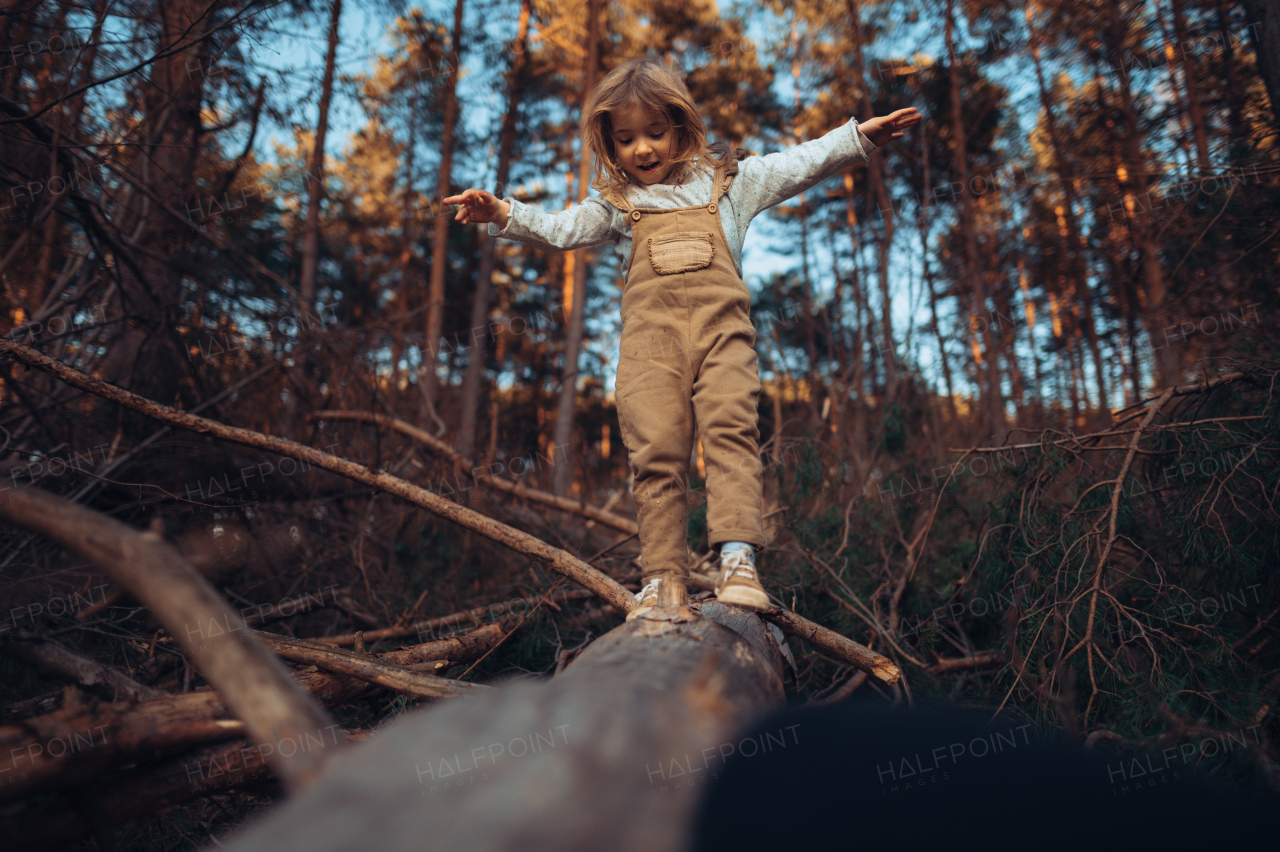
(862, 776)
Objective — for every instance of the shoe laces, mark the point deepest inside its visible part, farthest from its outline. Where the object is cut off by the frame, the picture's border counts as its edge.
(737, 563)
(649, 588)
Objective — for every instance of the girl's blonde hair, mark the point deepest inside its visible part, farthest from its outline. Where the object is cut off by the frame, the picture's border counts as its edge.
(650, 86)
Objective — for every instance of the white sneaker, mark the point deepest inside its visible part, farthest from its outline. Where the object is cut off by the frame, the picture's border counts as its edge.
(737, 583)
(647, 596)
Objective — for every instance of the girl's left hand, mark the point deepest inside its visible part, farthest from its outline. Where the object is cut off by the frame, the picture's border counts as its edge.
(886, 128)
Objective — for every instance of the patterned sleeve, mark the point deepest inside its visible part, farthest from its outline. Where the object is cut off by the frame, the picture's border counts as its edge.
(765, 181)
(587, 224)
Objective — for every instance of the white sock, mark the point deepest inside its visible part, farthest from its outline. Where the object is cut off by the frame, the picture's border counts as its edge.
(737, 545)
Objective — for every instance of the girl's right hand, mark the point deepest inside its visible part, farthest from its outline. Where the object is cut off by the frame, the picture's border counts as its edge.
(479, 207)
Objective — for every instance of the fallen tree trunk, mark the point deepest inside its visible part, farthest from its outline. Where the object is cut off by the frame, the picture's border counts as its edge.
(77, 743)
(609, 755)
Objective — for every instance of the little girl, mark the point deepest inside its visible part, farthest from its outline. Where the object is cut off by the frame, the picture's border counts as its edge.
(676, 210)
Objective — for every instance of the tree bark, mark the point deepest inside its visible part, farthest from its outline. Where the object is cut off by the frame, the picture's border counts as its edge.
(163, 166)
(315, 171)
(562, 439)
(52, 823)
(77, 743)
(1234, 92)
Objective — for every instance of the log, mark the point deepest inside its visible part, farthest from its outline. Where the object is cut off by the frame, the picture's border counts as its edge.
(254, 682)
(584, 761)
(77, 743)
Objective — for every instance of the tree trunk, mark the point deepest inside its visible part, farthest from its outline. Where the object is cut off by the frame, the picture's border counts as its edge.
(1264, 28)
(479, 336)
(1154, 315)
(1234, 92)
(858, 383)
(407, 235)
(1075, 247)
(575, 305)
(440, 239)
(315, 172)
(609, 755)
(991, 416)
(145, 352)
(877, 198)
(1191, 81)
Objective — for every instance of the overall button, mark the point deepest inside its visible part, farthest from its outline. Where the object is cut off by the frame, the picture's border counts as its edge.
(635, 215)
(711, 208)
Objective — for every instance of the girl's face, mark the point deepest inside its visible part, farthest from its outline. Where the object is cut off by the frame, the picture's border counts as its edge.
(642, 138)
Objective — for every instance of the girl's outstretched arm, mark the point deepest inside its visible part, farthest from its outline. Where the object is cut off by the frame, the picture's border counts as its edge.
(587, 224)
(769, 180)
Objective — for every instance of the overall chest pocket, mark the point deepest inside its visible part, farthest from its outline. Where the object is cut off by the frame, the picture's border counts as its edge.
(683, 252)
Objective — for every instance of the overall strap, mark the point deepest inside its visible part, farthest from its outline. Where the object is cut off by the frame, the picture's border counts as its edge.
(725, 174)
(617, 199)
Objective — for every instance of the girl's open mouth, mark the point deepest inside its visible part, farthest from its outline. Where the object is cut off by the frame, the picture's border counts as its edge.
(648, 168)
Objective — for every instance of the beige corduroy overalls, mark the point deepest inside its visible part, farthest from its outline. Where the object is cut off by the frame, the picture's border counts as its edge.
(688, 348)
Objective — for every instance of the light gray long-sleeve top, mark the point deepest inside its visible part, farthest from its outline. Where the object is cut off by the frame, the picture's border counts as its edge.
(761, 183)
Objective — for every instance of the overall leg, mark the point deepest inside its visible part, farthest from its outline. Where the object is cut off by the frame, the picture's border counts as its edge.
(656, 417)
(725, 395)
